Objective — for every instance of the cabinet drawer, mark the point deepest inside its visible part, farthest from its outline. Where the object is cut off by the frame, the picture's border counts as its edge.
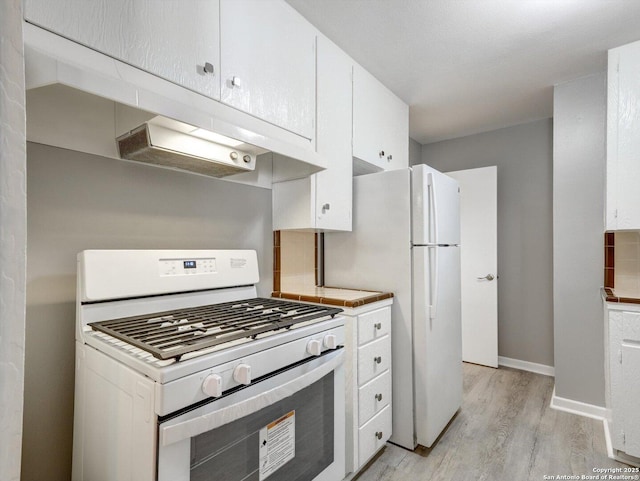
(374, 325)
(373, 397)
(373, 435)
(373, 359)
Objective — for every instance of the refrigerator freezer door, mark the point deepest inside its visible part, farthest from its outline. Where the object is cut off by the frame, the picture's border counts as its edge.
(437, 340)
(435, 207)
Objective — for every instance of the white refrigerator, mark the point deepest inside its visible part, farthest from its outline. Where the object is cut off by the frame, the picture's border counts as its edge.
(405, 239)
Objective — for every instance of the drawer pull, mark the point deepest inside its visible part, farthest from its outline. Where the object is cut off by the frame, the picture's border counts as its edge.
(377, 359)
(379, 434)
(379, 397)
(378, 325)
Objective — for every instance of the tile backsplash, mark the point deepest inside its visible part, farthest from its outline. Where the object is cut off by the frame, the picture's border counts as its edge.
(297, 260)
(627, 263)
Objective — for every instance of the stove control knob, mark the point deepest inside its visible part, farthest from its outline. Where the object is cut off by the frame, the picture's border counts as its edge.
(242, 374)
(212, 385)
(330, 341)
(314, 347)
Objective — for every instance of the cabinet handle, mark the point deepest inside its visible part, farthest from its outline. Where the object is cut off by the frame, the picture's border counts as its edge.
(377, 359)
(208, 68)
(381, 153)
(379, 397)
(378, 325)
(236, 82)
(379, 434)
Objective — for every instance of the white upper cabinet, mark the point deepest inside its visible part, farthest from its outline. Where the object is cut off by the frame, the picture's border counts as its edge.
(178, 41)
(324, 200)
(380, 126)
(623, 138)
(268, 63)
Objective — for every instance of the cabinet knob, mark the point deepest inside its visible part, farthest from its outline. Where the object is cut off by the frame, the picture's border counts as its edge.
(379, 397)
(378, 325)
(381, 153)
(236, 82)
(379, 434)
(389, 157)
(208, 68)
(377, 359)
(326, 207)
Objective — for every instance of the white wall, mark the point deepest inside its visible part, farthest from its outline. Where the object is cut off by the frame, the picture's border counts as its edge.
(578, 245)
(80, 201)
(12, 237)
(523, 154)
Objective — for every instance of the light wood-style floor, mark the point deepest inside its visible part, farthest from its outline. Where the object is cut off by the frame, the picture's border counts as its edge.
(505, 431)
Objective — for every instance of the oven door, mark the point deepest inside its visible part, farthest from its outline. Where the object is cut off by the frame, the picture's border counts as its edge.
(286, 427)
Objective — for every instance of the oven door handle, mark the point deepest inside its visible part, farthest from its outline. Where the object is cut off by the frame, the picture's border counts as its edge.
(189, 428)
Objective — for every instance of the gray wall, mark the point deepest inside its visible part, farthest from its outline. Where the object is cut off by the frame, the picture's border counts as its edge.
(79, 201)
(13, 203)
(415, 152)
(523, 155)
(578, 226)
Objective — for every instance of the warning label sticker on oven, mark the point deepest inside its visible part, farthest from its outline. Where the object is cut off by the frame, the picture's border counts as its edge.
(277, 444)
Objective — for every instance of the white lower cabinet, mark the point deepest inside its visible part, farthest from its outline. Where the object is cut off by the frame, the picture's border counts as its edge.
(374, 434)
(623, 380)
(368, 386)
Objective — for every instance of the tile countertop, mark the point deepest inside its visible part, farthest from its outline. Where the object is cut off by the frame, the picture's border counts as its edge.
(611, 295)
(334, 296)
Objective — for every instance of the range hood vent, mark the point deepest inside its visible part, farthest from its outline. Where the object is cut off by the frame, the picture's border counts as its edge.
(160, 145)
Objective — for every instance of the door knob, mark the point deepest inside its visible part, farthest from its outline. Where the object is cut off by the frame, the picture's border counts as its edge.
(488, 277)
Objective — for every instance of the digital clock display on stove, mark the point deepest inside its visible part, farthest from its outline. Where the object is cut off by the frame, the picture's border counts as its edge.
(189, 264)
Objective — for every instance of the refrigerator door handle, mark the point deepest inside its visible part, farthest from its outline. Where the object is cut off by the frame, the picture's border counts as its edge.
(434, 208)
(433, 295)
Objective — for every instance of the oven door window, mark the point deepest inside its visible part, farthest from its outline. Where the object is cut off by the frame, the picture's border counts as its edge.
(296, 435)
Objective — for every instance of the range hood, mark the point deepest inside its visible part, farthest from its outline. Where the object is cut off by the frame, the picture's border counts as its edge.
(169, 143)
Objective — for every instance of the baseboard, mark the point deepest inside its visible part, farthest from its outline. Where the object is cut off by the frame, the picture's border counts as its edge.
(577, 407)
(526, 366)
(607, 438)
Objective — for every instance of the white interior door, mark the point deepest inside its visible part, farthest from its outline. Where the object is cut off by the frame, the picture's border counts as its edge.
(479, 264)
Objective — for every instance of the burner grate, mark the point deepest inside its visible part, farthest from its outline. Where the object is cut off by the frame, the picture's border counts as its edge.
(171, 334)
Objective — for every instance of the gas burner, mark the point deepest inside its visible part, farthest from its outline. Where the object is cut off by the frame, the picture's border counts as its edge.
(172, 334)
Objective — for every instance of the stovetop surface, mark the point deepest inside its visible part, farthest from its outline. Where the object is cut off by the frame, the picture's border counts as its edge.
(171, 334)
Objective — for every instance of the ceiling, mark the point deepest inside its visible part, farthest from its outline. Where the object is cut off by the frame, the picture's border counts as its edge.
(469, 66)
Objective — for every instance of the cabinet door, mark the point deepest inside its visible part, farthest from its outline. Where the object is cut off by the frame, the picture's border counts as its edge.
(380, 123)
(616, 383)
(324, 200)
(171, 39)
(623, 138)
(631, 386)
(268, 63)
(333, 189)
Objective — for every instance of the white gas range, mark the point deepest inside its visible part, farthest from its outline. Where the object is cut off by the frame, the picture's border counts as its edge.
(182, 373)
